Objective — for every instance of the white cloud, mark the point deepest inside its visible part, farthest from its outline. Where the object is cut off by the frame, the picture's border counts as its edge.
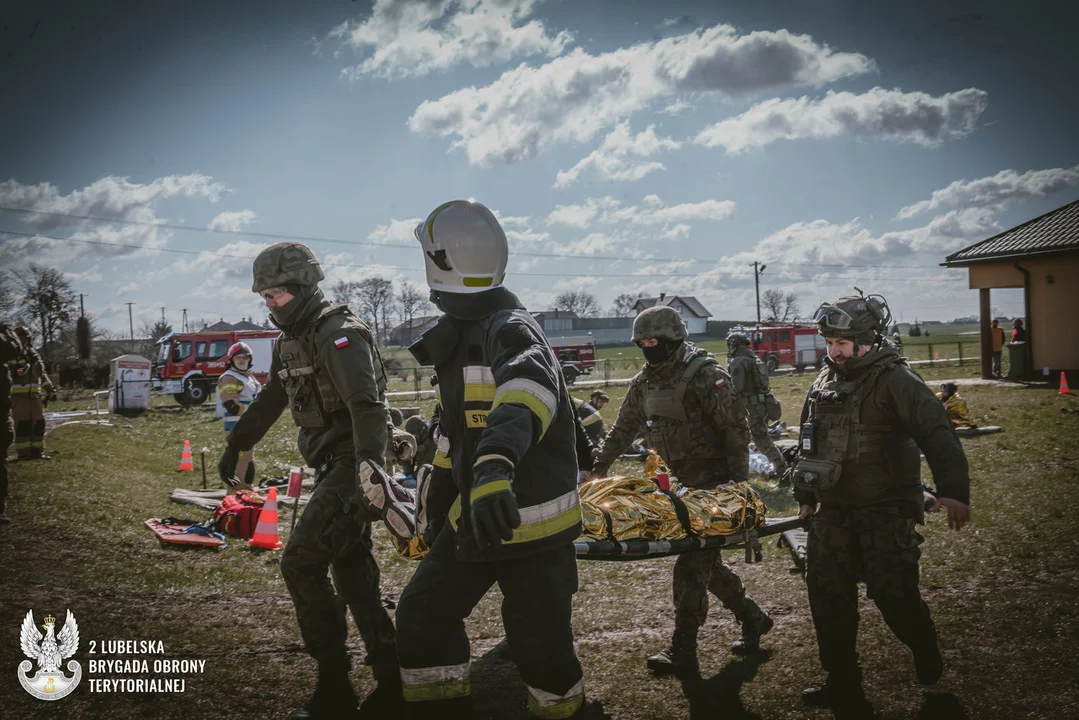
(573, 97)
(111, 197)
(397, 232)
(678, 232)
(995, 190)
(890, 114)
(677, 107)
(402, 40)
(593, 244)
(652, 211)
(613, 159)
(90, 275)
(232, 221)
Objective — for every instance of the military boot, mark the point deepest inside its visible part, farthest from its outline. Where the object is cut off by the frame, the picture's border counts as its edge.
(333, 696)
(680, 657)
(842, 693)
(387, 700)
(752, 631)
(928, 663)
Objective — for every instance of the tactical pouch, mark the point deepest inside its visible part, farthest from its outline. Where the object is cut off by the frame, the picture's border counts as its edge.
(810, 474)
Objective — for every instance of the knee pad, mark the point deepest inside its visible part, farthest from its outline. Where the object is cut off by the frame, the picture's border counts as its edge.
(395, 504)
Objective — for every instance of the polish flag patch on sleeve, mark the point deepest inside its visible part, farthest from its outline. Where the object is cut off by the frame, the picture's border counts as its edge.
(341, 342)
(721, 382)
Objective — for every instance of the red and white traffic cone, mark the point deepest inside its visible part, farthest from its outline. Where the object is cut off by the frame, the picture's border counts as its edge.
(266, 536)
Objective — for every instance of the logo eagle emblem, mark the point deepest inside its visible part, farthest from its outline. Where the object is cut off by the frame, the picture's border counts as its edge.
(49, 650)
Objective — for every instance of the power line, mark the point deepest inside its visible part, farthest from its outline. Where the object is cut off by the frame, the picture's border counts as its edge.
(641, 275)
(410, 246)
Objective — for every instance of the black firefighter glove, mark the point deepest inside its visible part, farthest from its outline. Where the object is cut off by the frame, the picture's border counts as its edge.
(494, 506)
(232, 407)
(226, 466)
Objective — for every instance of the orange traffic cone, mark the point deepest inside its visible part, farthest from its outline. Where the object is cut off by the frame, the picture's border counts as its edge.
(1064, 389)
(185, 459)
(266, 530)
(936, 356)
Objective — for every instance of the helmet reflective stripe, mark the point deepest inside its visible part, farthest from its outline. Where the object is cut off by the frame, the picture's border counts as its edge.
(464, 248)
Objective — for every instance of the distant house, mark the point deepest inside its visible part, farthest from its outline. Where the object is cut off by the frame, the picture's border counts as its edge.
(407, 333)
(1042, 257)
(693, 313)
(222, 326)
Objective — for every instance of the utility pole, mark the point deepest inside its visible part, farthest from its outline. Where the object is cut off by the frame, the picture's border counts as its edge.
(130, 321)
(757, 285)
(162, 316)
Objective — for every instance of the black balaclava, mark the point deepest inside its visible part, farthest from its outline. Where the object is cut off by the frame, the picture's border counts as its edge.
(660, 352)
(303, 298)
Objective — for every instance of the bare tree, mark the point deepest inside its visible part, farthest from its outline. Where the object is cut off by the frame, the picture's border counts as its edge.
(8, 295)
(343, 292)
(374, 295)
(411, 302)
(623, 304)
(47, 297)
(779, 307)
(581, 302)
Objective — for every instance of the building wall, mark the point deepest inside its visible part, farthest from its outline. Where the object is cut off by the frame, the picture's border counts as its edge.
(695, 325)
(1054, 306)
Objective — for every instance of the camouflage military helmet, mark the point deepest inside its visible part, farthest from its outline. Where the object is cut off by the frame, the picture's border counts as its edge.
(416, 427)
(661, 323)
(286, 263)
(736, 340)
(856, 317)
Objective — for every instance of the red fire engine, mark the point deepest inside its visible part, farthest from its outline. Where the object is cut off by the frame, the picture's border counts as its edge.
(797, 345)
(576, 354)
(188, 365)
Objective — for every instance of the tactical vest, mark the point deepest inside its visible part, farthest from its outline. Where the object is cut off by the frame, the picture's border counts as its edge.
(675, 429)
(312, 395)
(758, 377)
(834, 432)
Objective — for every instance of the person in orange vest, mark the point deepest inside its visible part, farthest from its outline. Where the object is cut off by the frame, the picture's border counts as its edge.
(996, 334)
(31, 391)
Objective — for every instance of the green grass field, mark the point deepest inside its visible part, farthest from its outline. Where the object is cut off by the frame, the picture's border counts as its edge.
(1002, 591)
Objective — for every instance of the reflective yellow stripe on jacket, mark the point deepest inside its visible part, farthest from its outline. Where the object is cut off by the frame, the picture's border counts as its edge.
(537, 521)
(520, 391)
(478, 396)
(442, 682)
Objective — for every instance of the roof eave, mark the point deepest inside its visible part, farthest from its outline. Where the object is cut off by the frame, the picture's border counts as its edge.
(1008, 256)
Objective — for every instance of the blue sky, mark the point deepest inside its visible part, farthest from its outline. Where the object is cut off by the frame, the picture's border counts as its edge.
(842, 143)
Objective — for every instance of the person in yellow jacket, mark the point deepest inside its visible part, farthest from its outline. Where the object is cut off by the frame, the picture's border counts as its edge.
(236, 389)
(958, 412)
(31, 390)
(996, 334)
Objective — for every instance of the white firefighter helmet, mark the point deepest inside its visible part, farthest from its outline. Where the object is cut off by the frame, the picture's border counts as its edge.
(464, 248)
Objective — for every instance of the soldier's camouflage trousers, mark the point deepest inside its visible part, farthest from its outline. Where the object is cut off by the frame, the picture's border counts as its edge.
(878, 546)
(29, 416)
(697, 573)
(329, 537)
(758, 429)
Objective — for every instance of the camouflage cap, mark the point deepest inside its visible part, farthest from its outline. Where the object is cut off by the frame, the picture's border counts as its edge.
(416, 427)
(288, 263)
(661, 323)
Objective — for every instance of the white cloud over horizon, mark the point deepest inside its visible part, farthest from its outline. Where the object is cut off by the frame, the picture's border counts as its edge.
(232, 221)
(616, 157)
(573, 97)
(888, 114)
(995, 190)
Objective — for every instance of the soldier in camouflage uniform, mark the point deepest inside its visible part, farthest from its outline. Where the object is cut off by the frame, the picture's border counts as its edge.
(684, 403)
(327, 371)
(858, 474)
(750, 378)
(10, 350)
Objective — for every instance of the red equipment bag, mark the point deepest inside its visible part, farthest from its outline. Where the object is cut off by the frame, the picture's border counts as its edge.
(238, 514)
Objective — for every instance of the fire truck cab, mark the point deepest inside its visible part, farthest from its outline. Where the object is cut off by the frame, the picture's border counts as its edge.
(776, 345)
(187, 365)
(576, 355)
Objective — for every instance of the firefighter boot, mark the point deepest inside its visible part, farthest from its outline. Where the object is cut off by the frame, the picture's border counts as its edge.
(333, 696)
(752, 631)
(680, 657)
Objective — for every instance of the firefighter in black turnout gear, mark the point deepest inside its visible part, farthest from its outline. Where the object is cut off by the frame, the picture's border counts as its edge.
(501, 505)
(858, 475)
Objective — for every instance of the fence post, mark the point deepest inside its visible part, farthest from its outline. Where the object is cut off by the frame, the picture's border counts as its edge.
(960, 344)
(930, 346)
(416, 381)
(607, 373)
